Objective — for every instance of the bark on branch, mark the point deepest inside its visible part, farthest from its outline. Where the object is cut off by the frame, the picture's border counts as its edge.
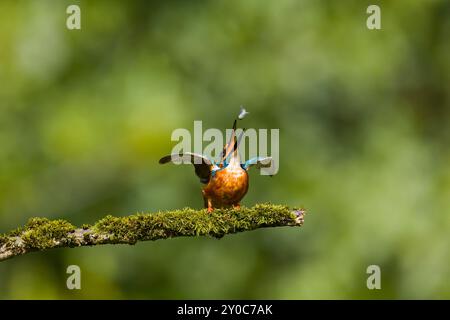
(41, 234)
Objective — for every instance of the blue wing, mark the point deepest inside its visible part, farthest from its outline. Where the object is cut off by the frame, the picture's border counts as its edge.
(258, 162)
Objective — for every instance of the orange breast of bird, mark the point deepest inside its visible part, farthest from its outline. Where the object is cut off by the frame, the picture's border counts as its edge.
(226, 187)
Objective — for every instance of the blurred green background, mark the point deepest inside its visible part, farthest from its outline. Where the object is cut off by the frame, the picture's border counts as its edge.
(364, 129)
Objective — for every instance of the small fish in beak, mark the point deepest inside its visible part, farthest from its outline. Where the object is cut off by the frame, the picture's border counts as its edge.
(242, 113)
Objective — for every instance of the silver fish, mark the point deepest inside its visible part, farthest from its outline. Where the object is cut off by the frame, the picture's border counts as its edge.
(242, 113)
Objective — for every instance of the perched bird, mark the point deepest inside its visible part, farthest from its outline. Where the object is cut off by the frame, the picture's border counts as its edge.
(226, 182)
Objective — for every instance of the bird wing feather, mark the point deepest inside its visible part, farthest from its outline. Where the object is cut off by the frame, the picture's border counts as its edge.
(258, 162)
(202, 164)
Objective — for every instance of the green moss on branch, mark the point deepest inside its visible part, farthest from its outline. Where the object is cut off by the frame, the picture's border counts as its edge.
(42, 234)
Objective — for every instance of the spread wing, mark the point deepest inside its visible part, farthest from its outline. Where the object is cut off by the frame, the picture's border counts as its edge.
(201, 164)
(258, 162)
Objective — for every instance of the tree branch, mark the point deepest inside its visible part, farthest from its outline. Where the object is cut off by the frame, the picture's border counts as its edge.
(41, 234)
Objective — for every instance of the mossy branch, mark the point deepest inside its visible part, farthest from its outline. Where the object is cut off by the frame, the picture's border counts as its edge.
(41, 234)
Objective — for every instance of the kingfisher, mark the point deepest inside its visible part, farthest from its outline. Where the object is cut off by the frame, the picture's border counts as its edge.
(225, 182)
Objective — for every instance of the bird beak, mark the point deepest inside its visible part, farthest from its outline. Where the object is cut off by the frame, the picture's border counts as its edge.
(233, 147)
